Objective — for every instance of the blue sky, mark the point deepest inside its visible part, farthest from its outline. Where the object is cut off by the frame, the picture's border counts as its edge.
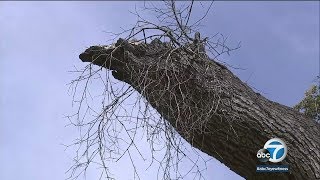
(40, 42)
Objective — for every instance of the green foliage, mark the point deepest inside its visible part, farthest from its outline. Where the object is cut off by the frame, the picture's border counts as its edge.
(310, 105)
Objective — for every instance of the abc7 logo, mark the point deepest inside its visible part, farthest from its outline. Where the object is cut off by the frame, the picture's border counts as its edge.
(275, 150)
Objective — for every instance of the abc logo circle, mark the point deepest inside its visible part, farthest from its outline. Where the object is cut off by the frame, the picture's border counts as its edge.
(263, 155)
(277, 149)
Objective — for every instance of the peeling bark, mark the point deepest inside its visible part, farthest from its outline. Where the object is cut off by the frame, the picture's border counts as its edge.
(213, 109)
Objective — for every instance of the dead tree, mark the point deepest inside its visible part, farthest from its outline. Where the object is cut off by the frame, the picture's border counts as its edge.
(202, 100)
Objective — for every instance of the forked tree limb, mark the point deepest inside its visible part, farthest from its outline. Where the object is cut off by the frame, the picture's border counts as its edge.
(213, 109)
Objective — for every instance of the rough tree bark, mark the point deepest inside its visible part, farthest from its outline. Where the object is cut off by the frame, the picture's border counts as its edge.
(213, 109)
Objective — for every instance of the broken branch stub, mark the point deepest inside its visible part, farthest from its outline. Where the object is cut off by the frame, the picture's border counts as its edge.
(210, 107)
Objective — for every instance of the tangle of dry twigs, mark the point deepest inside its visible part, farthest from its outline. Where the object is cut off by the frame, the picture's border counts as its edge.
(112, 122)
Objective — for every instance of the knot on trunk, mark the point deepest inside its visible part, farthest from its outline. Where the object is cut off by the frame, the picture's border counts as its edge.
(135, 47)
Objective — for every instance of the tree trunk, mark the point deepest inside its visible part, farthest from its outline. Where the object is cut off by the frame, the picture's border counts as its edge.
(213, 109)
